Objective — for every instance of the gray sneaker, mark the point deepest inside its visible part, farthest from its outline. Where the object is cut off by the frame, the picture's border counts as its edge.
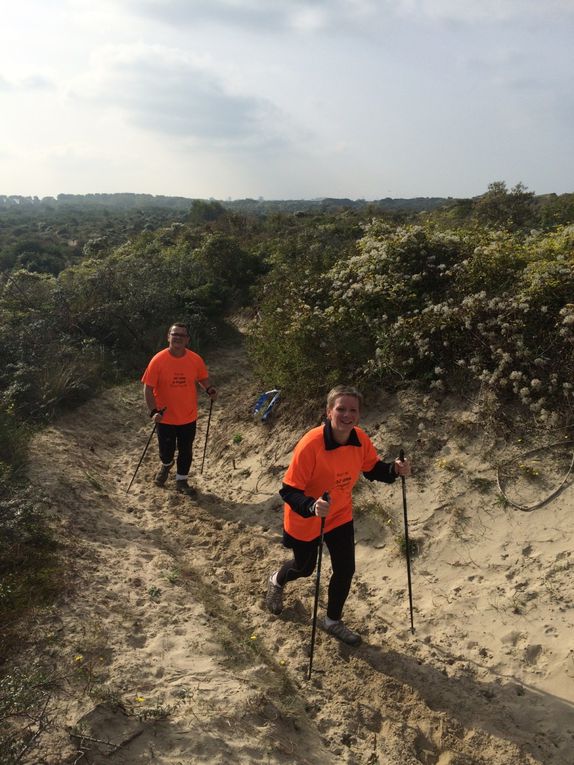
(343, 633)
(274, 597)
(162, 474)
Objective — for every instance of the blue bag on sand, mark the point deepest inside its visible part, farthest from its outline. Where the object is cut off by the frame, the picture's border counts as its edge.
(265, 403)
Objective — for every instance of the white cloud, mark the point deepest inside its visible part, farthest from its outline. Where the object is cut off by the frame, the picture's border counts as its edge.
(169, 92)
(31, 82)
(266, 15)
(483, 10)
(338, 15)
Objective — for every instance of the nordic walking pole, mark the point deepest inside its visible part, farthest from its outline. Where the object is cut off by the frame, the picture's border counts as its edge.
(407, 545)
(316, 604)
(161, 411)
(206, 434)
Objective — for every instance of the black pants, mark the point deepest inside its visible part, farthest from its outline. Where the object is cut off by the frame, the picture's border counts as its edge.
(341, 545)
(168, 436)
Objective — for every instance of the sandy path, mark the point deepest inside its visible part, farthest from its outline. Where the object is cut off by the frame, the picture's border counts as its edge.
(164, 612)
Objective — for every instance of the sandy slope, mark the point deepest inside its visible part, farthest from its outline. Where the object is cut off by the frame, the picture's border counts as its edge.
(164, 609)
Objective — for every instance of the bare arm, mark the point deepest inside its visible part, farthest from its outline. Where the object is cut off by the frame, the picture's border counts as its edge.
(150, 402)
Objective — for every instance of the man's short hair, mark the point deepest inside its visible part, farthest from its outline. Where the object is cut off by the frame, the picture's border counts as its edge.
(179, 324)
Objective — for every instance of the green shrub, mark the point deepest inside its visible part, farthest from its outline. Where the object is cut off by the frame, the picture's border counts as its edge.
(450, 310)
(30, 572)
(23, 695)
(13, 449)
(61, 337)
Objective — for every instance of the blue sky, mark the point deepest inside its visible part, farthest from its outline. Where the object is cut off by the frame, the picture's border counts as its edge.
(286, 98)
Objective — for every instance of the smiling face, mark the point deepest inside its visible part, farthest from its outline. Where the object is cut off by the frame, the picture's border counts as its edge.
(177, 338)
(344, 414)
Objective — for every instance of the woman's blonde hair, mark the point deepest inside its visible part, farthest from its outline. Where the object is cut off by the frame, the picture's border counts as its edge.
(343, 390)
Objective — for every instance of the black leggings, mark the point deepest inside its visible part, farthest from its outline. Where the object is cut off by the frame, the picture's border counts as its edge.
(182, 435)
(340, 542)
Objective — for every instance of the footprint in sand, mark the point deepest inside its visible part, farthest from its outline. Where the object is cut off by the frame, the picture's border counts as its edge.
(136, 641)
(514, 637)
(532, 653)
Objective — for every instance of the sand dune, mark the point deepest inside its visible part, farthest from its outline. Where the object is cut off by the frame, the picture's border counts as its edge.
(168, 656)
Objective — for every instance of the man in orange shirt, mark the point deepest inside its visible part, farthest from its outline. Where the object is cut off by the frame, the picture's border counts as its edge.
(328, 460)
(170, 393)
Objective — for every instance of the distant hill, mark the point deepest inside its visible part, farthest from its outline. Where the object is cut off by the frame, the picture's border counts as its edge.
(128, 201)
(331, 204)
(121, 201)
(498, 205)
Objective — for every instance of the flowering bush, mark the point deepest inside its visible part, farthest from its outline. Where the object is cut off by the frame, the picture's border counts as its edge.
(445, 309)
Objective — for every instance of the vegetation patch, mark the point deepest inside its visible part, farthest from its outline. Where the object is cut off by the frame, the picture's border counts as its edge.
(30, 564)
(25, 695)
(454, 310)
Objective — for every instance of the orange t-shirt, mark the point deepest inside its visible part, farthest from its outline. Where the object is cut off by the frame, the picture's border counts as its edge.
(174, 379)
(314, 469)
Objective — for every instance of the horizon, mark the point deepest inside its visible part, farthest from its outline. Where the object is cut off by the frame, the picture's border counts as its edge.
(258, 198)
(215, 199)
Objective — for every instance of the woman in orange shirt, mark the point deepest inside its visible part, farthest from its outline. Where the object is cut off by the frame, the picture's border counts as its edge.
(328, 459)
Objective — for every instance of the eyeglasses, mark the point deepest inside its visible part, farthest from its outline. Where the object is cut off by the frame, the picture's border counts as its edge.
(177, 334)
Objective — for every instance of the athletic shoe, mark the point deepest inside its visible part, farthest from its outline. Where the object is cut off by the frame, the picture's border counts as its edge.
(343, 633)
(162, 474)
(274, 597)
(183, 487)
